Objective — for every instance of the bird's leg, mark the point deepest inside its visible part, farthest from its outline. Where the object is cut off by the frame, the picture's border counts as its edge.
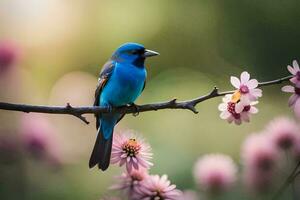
(136, 107)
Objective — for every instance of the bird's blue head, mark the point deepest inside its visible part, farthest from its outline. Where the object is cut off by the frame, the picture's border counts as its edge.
(132, 53)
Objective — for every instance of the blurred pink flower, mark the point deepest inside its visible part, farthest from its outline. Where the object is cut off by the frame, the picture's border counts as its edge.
(9, 147)
(39, 138)
(259, 153)
(189, 195)
(294, 100)
(132, 150)
(283, 132)
(156, 187)
(129, 182)
(294, 70)
(260, 157)
(258, 181)
(247, 87)
(236, 112)
(9, 54)
(215, 172)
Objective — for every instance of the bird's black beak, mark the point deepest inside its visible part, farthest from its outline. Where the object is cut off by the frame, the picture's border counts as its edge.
(149, 53)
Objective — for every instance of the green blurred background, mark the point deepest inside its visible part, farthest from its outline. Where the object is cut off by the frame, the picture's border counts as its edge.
(202, 43)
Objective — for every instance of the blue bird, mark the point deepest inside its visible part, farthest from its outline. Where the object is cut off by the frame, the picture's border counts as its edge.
(122, 79)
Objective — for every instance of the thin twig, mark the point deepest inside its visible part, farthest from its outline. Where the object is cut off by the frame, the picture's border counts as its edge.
(79, 111)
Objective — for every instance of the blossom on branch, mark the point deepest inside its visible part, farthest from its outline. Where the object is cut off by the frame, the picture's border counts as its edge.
(238, 107)
(236, 112)
(246, 87)
(294, 100)
(294, 70)
(131, 150)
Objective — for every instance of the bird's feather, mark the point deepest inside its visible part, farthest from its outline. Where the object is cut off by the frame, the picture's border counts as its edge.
(101, 148)
(104, 76)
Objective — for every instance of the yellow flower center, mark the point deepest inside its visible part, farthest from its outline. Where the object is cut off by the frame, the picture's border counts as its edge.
(236, 96)
(131, 147)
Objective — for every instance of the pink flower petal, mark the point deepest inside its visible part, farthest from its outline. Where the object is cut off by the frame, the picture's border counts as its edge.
(235, 82)
(295, 80)
(295, 65)
(253, 110)
(245, 77)
(245, 117)
(129, 167)
(253, 83)
(239, 107)
(122, 162)
(135, 165)
(246, 99)
(124, 155)
(256, 92)
(288, 88)
(297, 108)
(291, 70)
(225, 114)
(238, 121)
(222, 106)
(230, 119)
(293, 99)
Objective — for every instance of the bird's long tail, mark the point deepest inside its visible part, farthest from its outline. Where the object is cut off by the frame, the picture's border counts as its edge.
(102, 148)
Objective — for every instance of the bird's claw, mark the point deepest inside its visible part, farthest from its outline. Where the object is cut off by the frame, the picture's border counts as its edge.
(109, 108)
(137, 110)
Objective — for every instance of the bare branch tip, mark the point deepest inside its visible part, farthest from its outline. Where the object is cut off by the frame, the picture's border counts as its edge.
(215, 90)
(68, 105)
(82, 118)
(173, 101)
(192, 108)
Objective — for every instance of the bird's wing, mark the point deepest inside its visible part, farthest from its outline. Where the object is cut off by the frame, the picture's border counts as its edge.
(104, 76)
(144, 86)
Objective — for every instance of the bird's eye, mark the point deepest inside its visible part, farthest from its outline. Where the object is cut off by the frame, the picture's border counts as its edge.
(134, 52)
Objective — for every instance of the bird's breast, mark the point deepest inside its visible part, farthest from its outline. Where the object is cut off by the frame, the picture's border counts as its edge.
(125, 85)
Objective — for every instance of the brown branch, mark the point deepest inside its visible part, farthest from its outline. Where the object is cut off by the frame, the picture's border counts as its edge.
(172, 104)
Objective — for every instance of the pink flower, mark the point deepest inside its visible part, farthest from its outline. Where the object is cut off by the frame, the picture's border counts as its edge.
(295, 70)
(247, 87)
(259, 153)
(283, 132)
(189, 195)
(236, 112)
(129, 182)
(156, 187)
(9, 147)
(258, 181)
(260, 157)
(294, 100)
(131, 150)
(215, 172)
(39, 139)
(9, 54)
